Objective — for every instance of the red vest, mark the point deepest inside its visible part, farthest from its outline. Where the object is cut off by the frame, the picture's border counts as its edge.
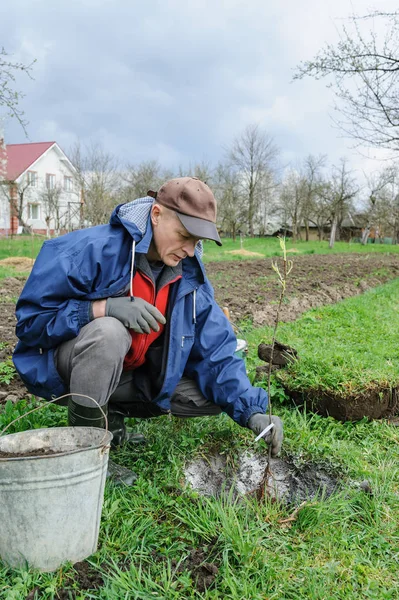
(144, 288)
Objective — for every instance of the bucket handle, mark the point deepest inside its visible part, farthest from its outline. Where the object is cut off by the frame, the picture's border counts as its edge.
(55, 400)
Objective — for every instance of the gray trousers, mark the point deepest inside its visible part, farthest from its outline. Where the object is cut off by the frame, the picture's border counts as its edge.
(92, 364)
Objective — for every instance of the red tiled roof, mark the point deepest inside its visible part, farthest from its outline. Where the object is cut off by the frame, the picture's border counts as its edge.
(21, 156)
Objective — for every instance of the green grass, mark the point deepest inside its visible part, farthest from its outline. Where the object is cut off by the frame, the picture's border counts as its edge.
(22, 245)
(29, 246)
(7, 371)
(271, 247)
(344, 548)
(348, 347)
(10, 272)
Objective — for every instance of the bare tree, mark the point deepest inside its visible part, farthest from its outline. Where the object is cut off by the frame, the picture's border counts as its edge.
(340, 192)
(50, 198)
(140, 178)
(311, 170)
(365, 70)
(203, 170)
(386, 207)
(293, 193)
(320, 214)
(253, 153)
(268, 201)
(9, 96)
(229, 199)
(376, 185)
(17, 195)
(98, 177)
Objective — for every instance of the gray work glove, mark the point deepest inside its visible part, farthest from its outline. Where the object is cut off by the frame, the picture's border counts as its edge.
(258, 422)
(135, 313)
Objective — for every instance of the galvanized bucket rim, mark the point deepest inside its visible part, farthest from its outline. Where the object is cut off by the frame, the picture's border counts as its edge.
(57, 454)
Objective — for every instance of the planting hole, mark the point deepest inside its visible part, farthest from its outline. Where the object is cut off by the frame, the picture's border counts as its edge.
(216, 476)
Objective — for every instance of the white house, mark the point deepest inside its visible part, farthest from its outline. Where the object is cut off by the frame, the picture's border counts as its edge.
(38, 189)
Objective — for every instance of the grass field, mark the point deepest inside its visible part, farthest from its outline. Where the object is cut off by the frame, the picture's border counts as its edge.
(345, 346)
(345, 547)
(271, 247)
(341, 548)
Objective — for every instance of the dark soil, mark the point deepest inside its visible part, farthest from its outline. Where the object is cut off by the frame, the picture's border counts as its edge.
(201, 562)
(250, 288)
(203, 572)
(38, 452)
(10, 289)
(83, 578)
(374, 404)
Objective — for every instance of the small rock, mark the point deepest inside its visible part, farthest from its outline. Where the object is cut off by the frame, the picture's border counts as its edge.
(262, 371)
(12, 398)
(366, 487)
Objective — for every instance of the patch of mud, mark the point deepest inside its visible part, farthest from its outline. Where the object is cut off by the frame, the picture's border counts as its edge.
(10, 289)
(201, 562)
(287, 483)
(250, 288)
(203, 572)
(82, 579)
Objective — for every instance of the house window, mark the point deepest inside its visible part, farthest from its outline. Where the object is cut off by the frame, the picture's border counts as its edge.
(50, 181)
(34, 211)
(68, 184)
(32, 178)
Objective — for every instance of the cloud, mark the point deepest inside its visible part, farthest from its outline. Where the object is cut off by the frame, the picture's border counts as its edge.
(175, 81)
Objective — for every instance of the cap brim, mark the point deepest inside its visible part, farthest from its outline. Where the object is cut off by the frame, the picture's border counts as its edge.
(206, 230)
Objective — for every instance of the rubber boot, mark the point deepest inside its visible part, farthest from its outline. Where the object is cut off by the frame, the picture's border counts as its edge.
(122, 437)
(87, 416)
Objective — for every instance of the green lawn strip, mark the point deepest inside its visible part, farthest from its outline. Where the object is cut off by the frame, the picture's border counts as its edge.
(10, 272)
(343, 548)
(349, 347)
(29, 246)
(21, 245)
(271, 247)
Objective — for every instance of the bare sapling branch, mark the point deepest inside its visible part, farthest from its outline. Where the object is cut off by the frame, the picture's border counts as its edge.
(282, 278)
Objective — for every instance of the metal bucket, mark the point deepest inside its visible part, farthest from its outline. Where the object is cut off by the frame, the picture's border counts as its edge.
(242, 349)
(50, 505)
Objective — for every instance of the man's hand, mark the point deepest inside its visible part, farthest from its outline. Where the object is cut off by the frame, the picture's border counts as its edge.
(259, 422)
(136, 314)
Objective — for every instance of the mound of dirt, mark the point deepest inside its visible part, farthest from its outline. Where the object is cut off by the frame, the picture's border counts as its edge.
(19, 263)
(243, 252)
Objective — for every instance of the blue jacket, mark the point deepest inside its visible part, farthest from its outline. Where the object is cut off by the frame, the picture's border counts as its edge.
(94, 263)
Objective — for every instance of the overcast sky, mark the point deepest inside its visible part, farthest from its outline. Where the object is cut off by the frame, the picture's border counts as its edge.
(177, 80)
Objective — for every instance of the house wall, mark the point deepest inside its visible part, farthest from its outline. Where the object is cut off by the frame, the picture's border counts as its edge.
(51, 163)
(36, 209)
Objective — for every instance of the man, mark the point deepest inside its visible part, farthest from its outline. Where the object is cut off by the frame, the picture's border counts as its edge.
(125, 314)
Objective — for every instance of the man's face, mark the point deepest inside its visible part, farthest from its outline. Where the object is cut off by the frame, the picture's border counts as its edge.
(171, 241)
